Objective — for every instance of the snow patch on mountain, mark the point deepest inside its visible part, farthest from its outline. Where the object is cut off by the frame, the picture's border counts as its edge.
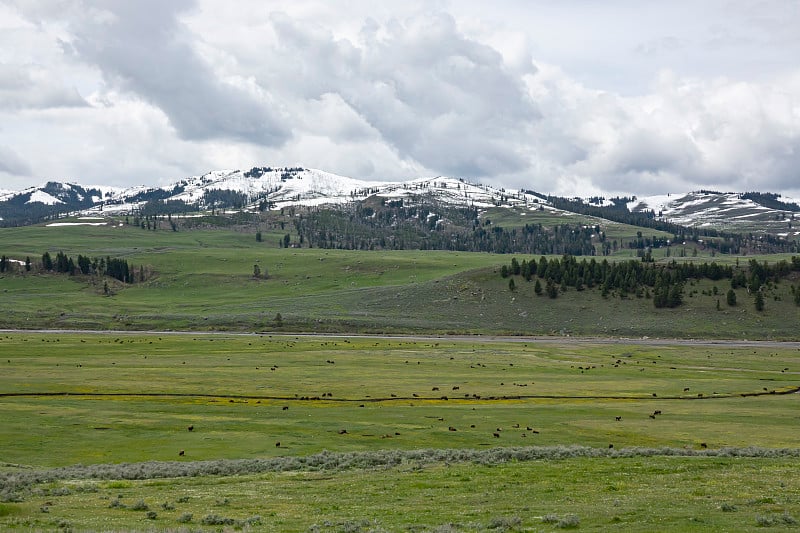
(652, 203)
(726, 211)
(698, 208)
(44, 198)
(283, 187)
(275, 188)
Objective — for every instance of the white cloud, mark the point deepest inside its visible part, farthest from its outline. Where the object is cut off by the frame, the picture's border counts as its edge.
(141, 47)
(11, 163)
(570, 98)
(29, 86)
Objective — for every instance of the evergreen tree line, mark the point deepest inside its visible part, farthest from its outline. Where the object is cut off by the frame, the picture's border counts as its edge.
(637, 277)
(721, 241)
(154, 208)
(770, 199)
(20, 211)
(224, 198)
(151, 221)
(26, 215)
(118, 269)
(394, 225)
(425, 224)
(152, 195)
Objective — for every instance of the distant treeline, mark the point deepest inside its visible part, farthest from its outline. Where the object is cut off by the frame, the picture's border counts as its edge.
(425, 224)
(723, 242)
(769, 199)
(25, 209)
(118, 269)
(639, 277)
(395, 225)
(155, 208)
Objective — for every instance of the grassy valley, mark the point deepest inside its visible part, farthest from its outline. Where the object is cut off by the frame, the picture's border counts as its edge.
(282, 432)
(213, 395)
(204, 280)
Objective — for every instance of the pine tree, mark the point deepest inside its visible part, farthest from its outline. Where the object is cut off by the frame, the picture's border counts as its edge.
(552, 289)
(511, 285)
(47, 262)
(525, 270)
(731, 297)
(759, 301)
(675, 295)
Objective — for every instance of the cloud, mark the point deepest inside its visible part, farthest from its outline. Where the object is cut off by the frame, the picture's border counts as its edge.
(141, 47)
(147, 91)
(12, 163)
(30, 87)
(432, 94)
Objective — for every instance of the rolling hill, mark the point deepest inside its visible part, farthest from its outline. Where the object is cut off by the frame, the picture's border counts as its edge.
(266, 188)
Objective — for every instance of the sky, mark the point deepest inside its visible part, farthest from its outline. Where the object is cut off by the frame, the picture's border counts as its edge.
(569, 97)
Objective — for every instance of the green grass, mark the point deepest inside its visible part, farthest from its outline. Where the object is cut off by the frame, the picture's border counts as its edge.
(202, 280)
(96, 398)
(630, 494)
(110, 398)
(518, 217)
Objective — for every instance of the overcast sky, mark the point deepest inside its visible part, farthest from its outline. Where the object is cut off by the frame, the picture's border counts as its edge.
(573, 97)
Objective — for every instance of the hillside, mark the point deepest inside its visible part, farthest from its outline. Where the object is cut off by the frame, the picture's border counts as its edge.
(206, 279)
(262, 189)
(732, 212)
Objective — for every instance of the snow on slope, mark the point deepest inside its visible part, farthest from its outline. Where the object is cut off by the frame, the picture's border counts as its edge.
(652, 203)
(107, 191)
(725, 211)
(282, 183)
(8, 195)
(43, 197)
(305, 187)
(313, 187)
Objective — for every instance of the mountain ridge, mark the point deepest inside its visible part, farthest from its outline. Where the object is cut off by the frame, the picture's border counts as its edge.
(276, 187)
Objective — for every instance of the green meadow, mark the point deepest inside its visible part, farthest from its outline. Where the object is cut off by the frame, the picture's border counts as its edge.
(203, 280)
(92, 398)
(585, 494)
(133, 396)
(183, 403)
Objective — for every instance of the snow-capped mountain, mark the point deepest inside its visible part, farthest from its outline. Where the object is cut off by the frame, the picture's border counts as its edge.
(281, 187)
(262, 188)
(256, 188)
(734, 212)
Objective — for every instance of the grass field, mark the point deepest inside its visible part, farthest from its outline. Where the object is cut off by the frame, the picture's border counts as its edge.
(591, 494)
(203, 280)
(380, 433)
(116, 398)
